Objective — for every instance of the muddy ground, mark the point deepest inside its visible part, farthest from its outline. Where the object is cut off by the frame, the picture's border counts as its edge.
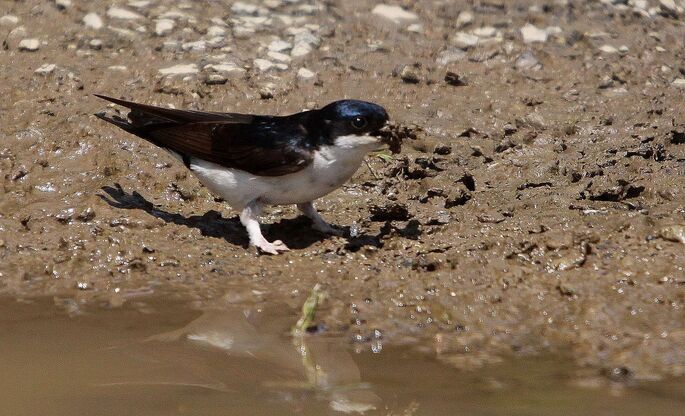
(539, 209)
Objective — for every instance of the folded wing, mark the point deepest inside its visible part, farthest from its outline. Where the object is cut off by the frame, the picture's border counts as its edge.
(262, 145)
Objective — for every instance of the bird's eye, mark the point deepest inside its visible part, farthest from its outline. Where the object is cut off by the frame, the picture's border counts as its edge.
(359, 122)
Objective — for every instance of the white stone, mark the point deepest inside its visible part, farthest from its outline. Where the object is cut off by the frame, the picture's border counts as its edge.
(464, 40)
(305, 76)
(280, 45)
(30, 45)
(9, 20)
(450, 55)
(95, 44)
(123, 14)
(141, 4)
(229, 69)
(306, 36)
(679, 83)
(415, 28)
(197, 46)
(278, 56)
(118, 68)
(244, 8)
(608, 49)
(394, 13)
(180, 69)
(485, 32)
(281, 66)
(532, 34)
(301, 49)
(216, 31)
(465, 17)
(93, 21)
(63, 4)
(46, 69)
(640, 4)
(164, 26)
(124, 33)
(263, 65)
(668, 6)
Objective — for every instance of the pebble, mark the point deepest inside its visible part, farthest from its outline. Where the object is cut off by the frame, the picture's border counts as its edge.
(216, 31)
(123, 14)
(485, 32)
(63, 4)
(280, 45)
(196, 46)
(280, 57)
(608, 49)
(415, 28)
(465, 17)
(450, 55)
(301, 49)
(95, 44)
(395, 14)
(668, 7)
(241, 8)
(9, 20)
(408, 74)
(263, 65)
(215, 79)
(463, 40)
(29, 45)
(305, 76)
(118, 68)
(527, 61)
(532, 34)
(46, 69)
(679, 83)
(181, 69)
(164, 26)
(93, 21)
(227, 68)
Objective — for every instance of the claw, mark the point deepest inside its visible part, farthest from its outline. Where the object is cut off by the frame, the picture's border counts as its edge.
(272, 248)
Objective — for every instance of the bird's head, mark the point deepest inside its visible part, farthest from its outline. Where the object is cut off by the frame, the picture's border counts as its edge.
(353, 122)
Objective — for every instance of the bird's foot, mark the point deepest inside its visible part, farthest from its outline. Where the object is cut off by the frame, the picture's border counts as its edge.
(272, 248)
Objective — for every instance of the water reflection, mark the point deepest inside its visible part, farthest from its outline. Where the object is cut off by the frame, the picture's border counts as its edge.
(298, 367)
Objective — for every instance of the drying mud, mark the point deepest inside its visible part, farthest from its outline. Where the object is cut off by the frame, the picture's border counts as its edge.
(536, 206)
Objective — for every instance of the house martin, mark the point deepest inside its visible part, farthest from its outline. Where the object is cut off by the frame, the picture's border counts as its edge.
(256, 160)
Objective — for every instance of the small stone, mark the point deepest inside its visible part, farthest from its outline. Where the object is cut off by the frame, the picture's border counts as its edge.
(263, 65)
(9, 20)
(301, 49)
(608, 49)
(527, 61)
(452, 78)
(463, 40)
(241, 8)
(280, 57)
(408, 74)
(215, 79)
(95, 44)
(305, 76)
(395, 14)
(532, 34)
(93, 21)
(140, 4)
(197, 46)
(280, 46)
(63, 4)
(415, 28)
(679, 83)
(668, 7)
(228, 69)
(29, 45)
(181, 69)
(485, 32)
(623, 50)
(675, 233)
(164, 26)
(216, 31)
(45, 69)
(118, 68)
(465, 17)
(123, 14)
(266, 93)
(450, 55)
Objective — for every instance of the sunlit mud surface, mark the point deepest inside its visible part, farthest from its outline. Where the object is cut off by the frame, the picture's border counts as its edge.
(160, 358)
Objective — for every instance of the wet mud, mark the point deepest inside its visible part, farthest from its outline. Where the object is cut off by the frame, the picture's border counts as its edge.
(536, 206)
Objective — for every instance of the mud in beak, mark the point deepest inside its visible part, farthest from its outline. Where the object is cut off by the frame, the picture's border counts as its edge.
(393, 135)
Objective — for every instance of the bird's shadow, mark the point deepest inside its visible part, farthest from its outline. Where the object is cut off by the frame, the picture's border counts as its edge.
(213, 224)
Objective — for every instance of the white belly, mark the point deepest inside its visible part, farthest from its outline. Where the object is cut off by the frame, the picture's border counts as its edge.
(332, 166)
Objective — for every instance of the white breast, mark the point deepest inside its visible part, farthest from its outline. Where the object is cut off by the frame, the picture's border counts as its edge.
(332, 166)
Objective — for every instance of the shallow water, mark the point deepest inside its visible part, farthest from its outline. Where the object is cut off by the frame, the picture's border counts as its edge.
(161, 358)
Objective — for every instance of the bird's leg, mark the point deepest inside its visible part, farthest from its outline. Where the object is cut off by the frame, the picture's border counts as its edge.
(318, 223)
(249, 217)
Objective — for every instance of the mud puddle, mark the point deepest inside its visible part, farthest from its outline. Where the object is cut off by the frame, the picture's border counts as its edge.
(154, 357)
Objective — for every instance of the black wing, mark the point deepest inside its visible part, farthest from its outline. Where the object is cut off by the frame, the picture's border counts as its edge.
(262, 145)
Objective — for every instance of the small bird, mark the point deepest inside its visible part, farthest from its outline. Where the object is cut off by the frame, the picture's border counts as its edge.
(256, 160)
